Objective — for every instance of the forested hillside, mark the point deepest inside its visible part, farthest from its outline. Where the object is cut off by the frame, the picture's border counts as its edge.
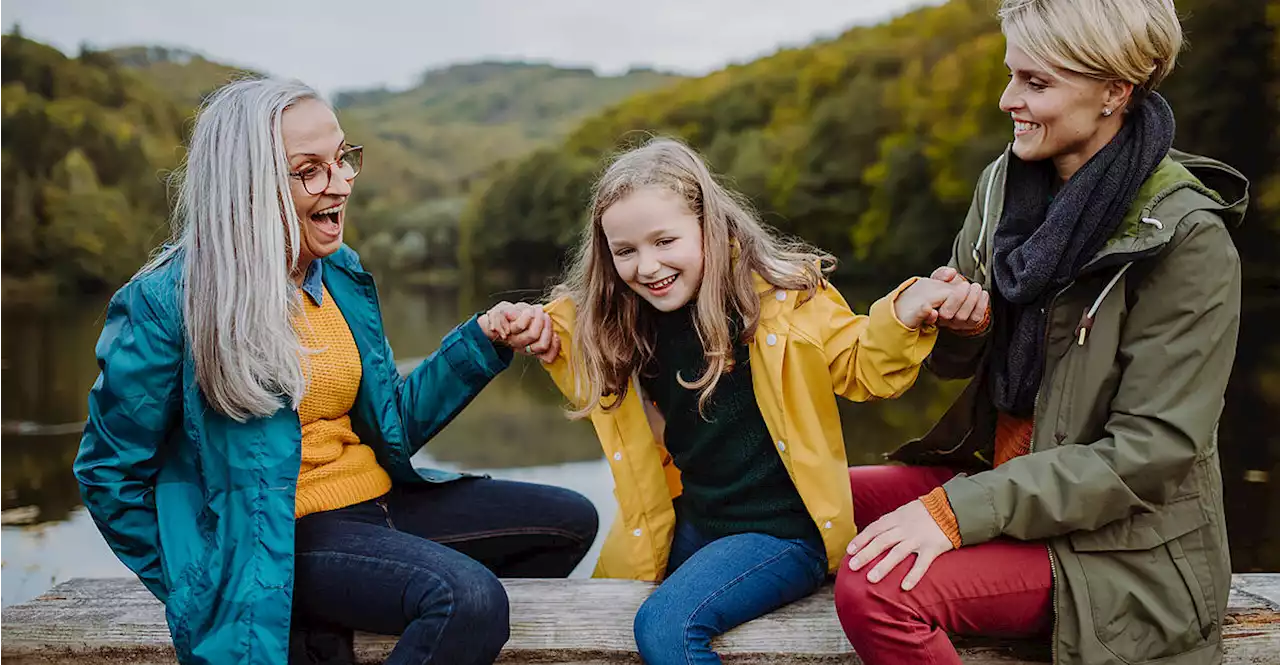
(90, 140)
(869, 144)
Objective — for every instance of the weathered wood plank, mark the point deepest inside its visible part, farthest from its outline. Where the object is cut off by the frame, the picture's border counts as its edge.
(115, 621)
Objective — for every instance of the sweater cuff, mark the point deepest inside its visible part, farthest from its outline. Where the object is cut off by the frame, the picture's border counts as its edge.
(940, 509)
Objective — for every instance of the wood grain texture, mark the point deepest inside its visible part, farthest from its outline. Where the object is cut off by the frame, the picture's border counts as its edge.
(572, 622)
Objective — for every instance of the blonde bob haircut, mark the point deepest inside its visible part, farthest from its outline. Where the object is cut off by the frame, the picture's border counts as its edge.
(1111, 40)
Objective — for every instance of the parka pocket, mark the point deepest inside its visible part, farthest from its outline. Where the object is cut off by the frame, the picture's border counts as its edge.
(1144, 597)
(184, 599)
(191, 585)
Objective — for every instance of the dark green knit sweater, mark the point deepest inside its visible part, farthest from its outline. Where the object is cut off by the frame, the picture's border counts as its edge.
(734, 481)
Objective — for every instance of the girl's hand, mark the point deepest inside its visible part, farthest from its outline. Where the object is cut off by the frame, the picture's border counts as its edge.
(965, 311)
(919, 303)
(905, 531)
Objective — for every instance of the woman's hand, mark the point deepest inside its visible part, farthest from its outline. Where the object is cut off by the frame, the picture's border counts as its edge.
(905, 531)
(523, 327)
(965, 310)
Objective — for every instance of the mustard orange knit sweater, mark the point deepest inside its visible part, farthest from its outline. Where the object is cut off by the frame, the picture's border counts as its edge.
(337, 470)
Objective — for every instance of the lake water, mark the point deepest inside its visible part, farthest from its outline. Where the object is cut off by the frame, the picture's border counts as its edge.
(515, 429)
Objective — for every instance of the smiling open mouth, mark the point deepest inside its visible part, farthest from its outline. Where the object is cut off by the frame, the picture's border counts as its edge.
(662, 283)
(329, 219)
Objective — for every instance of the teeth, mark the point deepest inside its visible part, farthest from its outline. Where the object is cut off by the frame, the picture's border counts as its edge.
(332, 211)
(1024, 126)
(663, 283)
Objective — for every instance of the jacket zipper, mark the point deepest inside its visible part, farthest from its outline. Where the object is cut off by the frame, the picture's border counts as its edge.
(1053, 570)
(386, 512)
(1035, 405)
(1035, 422)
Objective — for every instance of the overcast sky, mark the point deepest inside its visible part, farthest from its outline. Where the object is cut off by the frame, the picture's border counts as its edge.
(334, 44)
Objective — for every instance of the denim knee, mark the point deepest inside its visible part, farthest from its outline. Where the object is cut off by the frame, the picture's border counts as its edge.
(661, 631)
(475, 610)
(481, 607)
(584, 519)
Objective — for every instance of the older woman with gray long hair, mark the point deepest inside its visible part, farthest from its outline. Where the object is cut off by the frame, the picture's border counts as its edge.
(248, 446)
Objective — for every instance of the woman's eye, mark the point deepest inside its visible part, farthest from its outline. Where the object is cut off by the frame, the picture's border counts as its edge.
(623, 252)
(665, 241)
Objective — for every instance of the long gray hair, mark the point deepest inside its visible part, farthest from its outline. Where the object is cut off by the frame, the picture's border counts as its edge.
(235, 222)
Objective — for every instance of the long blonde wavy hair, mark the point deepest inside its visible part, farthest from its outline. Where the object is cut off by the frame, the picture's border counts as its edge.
(612, 339)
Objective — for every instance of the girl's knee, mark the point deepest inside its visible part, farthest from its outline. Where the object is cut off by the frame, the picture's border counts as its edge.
(660, 630)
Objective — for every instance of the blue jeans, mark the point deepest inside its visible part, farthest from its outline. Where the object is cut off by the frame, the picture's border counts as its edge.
(714, 585)
(423, 561)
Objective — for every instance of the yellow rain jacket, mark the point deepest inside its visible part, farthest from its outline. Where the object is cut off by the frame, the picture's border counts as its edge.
(802, 356)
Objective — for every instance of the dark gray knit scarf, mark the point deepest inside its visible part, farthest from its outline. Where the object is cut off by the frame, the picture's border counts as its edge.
(1040, 244)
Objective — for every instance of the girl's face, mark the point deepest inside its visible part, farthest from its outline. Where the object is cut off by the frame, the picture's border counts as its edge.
(656, 245)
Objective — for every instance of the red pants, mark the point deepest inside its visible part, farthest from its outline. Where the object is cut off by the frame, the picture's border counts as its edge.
(1001, 588)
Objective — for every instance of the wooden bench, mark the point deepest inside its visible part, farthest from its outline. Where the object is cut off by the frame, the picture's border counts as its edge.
(578, 622)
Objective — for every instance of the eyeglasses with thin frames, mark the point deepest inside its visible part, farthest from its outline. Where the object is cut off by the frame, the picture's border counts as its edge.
(316, 176)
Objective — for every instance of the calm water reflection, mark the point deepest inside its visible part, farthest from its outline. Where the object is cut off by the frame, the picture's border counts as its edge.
(514, 429)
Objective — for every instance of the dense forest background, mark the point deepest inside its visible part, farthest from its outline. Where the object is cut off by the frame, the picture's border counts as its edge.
(867, 144)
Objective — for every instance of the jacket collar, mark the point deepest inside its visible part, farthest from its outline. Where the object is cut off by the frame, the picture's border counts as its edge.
(1151, 221)
(313, 282)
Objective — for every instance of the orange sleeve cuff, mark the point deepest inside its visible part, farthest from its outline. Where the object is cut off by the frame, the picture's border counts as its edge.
(940, 509)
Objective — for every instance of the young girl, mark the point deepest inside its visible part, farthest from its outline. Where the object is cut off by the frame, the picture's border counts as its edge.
(683, 315)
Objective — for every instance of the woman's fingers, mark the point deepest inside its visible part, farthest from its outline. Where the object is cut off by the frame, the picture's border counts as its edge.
(886, 565)
(873, 549)
(945, 273)
(955, 299)
(528, 323)
(867, 535)
(552, 353)
(541, 327)
(918, 569)
(498, 320)
(980, 312)
(970, 303)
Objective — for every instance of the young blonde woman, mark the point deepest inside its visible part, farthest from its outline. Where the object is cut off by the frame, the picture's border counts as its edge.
(249, 439)
(683, 309)
(1073, 493)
